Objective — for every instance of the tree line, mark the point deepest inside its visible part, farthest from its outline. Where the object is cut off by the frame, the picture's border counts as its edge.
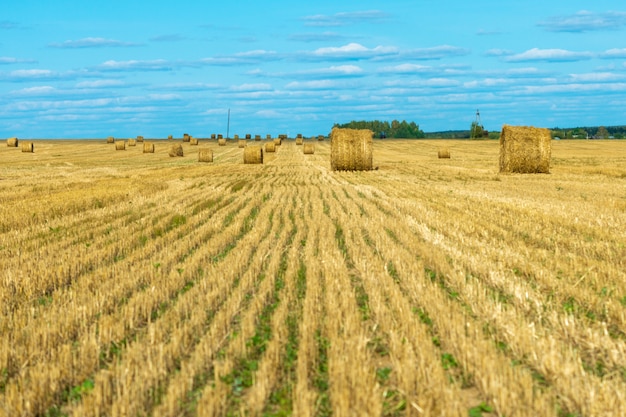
(393, 129)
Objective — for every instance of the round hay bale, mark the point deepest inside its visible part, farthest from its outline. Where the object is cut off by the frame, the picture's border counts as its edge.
(205, 155)
(176, 150)
(351, 149)
(257, 137)
(132, 142)
(120, 145)
(299, 141)
(219, 136)
(309, 148)
(221, 142)
(268, 137)
(140, 139)
(253, 154)
(299, 136)
(236, 137)
(270, 147)
(278, 141)
(170, 137)
(443, 153)
(248, 136)
(525, 150)
(241, 144)
(28, 147)
(186, 137)
(12, 142)
(193, 141)
(110, 139)
(320, 137)
(212, 135)
(148, 147)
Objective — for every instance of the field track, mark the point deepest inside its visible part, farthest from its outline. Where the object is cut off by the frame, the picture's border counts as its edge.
(137, 284)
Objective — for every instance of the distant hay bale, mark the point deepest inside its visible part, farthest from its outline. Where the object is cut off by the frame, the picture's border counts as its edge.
(351, 149)
(132, 142)
(176, 150)
(309, 148)
(278, 141)
(236, 137)
(241, 143)
(320, 137)
(140, 139)
(221, 142)
(148, 147)
(193, 141)
(110, 139)
(257, 137)
(120, 145)
(443, 153)
(186, 137)
(299, 141)
(248, 136)
(12, 142)
(253, 154)
(170, 137)
(28, 147)
(299, 136)
(219, 136)
(212, 135)
(268, 137)
(525, 149)
(205, 155)
(270, 147)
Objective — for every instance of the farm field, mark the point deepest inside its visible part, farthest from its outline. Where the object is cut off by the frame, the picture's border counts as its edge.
(137, 284)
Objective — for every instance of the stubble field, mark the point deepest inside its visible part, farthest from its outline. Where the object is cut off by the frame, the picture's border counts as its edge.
(137, 284)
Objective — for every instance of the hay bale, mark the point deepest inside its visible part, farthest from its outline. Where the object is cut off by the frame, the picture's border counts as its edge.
(253, 154)
(193, 141)
(278, 141)
(219, 136)
(257, 137)
(268, 137)
(270, 147)
(176, 150)
(148, 147)
(525, 149)
(299, 136)
(299, 141)
(443, 153)
(241, 143)
(140, 139)
(28, 147)
(110, 139)
(170, 137)
(132, 142)
(186, 137)
(205, 155)
(309, 148)
(12, 142)
(320, 137)
(351, 149)
(221, 142)
(120, 145)
(248, 136)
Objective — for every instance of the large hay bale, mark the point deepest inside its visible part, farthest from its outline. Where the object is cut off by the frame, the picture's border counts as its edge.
(193, 141)
(443, 153)
(241, 143)
(120, 145)
(12, 142)
(309, 148)
(221, 142)
(186, 137)
(140, 139)
(270, 147)
(28, 147)
(299, 141)
(525, 149)
(176, 150)
(110, 139)
(132, 142)
(351, 149)
(253, 154)
(205, 155)
(148, 147)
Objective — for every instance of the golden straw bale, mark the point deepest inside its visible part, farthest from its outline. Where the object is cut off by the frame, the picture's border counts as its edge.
(170, 137)
(221, 142)
(270, 147)
(253, 154)
(132, 142)
(110, 139)
(443, 153)
(257, 137)
(148, 147)
(268, 137)
(525, 149)
(236, 137)
(309, 148)
(176, 150)
(351, 149)
(205, 155)
(299, 141)
(219, 136)
(186, 137)
(140, 139)
(299, 136)
(278, 141)
(12, 142)
(120, 145)
(241, 143)
(28, 147)
(320, 137)
(193, 141)
(248, 136)
(212, 135)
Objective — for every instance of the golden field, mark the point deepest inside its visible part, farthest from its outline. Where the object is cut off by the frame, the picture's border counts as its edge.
(137, 284)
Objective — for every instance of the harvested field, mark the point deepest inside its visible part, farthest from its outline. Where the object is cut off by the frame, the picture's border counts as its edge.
(158, 286)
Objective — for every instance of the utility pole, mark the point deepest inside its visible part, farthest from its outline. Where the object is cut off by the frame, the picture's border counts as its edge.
(228, 125)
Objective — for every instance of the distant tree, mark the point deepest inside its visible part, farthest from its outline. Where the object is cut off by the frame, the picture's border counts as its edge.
(602, 133)
(395, 129)
(476, 131)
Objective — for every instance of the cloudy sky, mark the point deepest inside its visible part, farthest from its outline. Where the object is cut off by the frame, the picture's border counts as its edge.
(73, 69)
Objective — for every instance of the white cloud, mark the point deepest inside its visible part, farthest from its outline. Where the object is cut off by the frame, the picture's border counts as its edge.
(585, 21)
(346, 18)
(353, 51)
(550, 55)
(100, 84)
(92, 43)
(314, 85)
(134, 65)
(252, 87)
(614, 53)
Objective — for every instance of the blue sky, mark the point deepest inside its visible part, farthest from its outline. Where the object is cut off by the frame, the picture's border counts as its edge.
(73, 69)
